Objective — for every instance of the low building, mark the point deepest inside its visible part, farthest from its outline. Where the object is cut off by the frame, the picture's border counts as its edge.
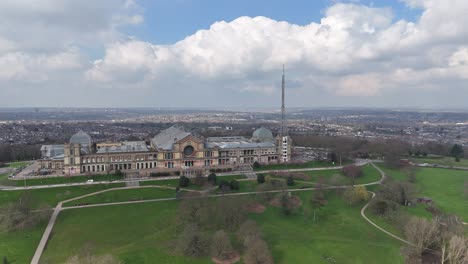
(173, 149)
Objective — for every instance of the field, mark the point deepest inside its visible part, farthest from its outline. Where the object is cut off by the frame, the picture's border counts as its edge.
(310, 164)
(52, 196)
(60, 180)
(20, 246)
(445, 161)
(443, 186)
(145, 232)
(125, 195)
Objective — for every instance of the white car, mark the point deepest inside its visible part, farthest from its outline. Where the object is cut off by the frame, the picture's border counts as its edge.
(89, 181)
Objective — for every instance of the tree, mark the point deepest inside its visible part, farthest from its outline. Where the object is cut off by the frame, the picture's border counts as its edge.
(399, 192)
(317, 201)
(212, 178)
(290, 181)
(20, 215)
(221, 245)
(234, 184)
(249, 232)
(184, 181)
(456, 151)
(356, 194)
(224, 186)
(286, 203)
(260, 178)
(119, 173)
(424, 234)
(455, 251)
(192, 242)
(258, 253)
(352, 171)
(228, 213)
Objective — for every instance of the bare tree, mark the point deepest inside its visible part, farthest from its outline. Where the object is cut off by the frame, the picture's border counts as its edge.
(424, 234)
(455, 251)
(221, 245)
(249, 232)
(352, 172)
(192, 242)
(258, 253)
(21, 215)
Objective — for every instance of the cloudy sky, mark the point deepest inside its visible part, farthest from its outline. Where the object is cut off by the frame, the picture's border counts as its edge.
(220, 53)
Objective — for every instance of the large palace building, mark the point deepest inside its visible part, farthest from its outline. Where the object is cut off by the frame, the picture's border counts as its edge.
(173, 149)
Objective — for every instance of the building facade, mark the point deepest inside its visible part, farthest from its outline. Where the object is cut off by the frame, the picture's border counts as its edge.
(173, 149)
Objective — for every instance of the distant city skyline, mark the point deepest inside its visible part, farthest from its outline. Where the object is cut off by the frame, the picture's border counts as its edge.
(229, 54)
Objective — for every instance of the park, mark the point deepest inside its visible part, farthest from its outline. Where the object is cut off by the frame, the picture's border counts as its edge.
(138, 224)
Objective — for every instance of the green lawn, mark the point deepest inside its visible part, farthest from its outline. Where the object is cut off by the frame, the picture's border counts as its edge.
(340, 232)
(138, 233)
(445, 161)
(444, 186)
(19, 247)
(370, 174)
(52, 196)
(310, 164)
(59, 180)
(17, 164)
(145, 232)
(125, 195)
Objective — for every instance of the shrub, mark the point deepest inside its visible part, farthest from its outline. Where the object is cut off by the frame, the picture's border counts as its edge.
(212, 178)
(234, 184)
(256, 165)
(158, 174)
(184, 181)
(224, 186)
(119, 173)
(260, 178)
(290, 181)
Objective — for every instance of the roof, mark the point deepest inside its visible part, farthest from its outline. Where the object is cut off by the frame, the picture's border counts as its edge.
(53, 151)
(262, 134)
(239, 144)
(126, 146)
(165, 139)
(81, 138)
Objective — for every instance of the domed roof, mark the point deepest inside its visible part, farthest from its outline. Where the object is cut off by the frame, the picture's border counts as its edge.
(262, 134)
(81, 138)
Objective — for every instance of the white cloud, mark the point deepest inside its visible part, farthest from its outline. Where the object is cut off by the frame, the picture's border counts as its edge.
(354, 50)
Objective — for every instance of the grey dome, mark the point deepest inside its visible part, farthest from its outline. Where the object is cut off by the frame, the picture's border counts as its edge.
(81, 138)
(262, 134)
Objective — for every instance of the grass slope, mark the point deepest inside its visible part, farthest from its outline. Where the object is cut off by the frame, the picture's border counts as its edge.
(340, 233)
(52, 196)
(138, 233)
(125, 195)
(145, 232)
(444, 186)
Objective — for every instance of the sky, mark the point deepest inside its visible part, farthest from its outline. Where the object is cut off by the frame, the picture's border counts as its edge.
(225, 54)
